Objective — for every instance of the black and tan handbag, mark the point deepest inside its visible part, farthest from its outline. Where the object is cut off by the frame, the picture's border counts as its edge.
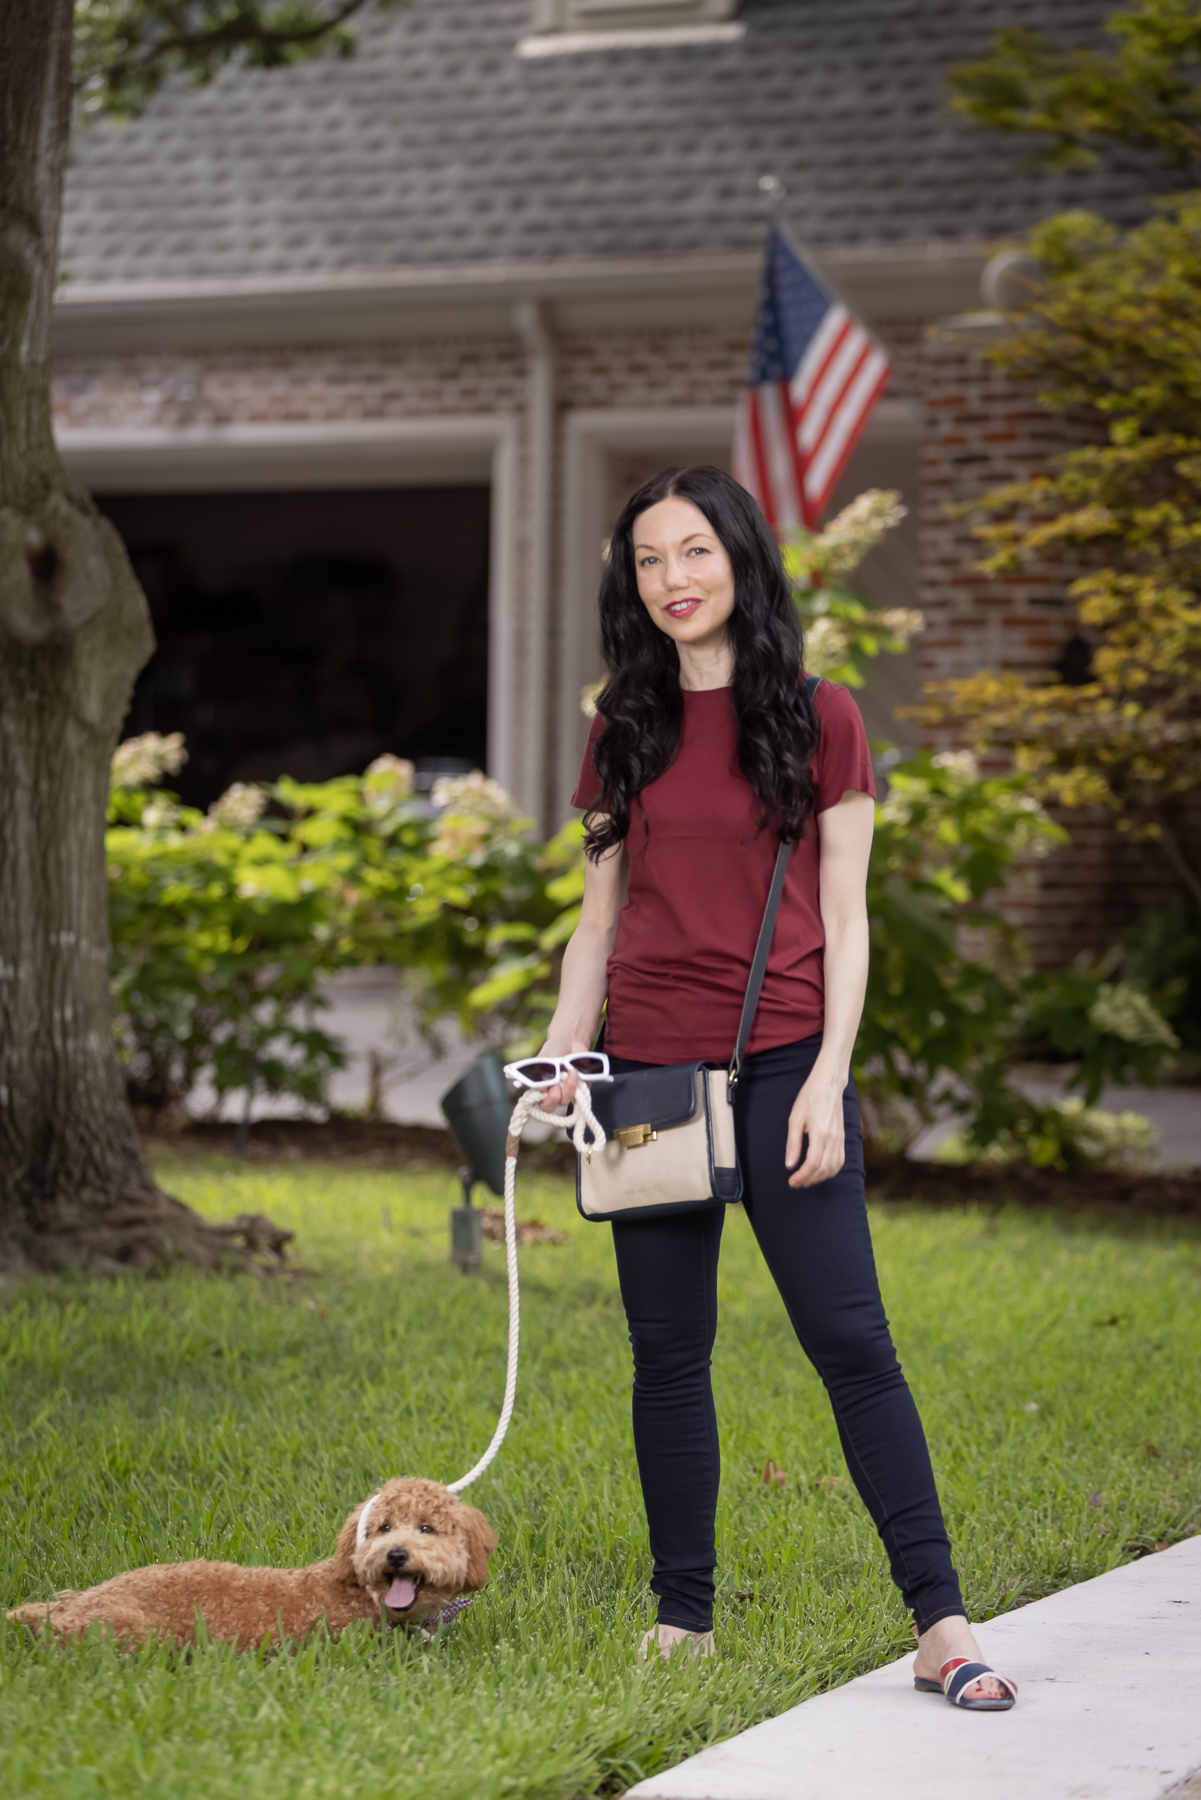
(669, 1132)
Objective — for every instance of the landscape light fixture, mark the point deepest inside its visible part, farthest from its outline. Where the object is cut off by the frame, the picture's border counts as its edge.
(477, 1109)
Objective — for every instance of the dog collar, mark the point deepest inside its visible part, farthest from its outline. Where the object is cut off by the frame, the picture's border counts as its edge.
(449, 1612)
(454, 1607)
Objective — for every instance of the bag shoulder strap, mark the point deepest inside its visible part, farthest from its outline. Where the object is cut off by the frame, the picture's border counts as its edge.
(754, 986)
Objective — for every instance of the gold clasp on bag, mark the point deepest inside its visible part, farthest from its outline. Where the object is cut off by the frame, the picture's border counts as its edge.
(631, 1136)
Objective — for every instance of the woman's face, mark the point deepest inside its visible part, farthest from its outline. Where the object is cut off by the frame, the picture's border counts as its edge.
(685, 580)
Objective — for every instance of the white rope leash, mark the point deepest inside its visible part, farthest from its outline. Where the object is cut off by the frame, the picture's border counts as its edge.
(580, 1118)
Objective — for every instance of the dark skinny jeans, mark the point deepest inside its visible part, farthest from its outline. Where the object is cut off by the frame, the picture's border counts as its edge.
(817, 1246)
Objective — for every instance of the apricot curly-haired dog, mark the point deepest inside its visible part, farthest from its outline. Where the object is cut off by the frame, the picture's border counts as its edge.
(403, 1556)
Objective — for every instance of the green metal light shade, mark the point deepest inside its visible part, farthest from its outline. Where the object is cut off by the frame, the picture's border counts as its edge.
(478, 1109)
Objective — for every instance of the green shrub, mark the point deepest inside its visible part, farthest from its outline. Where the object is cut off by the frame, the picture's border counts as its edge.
(221, 925)
(224, 923)
(1062, 1134)
(1161, 950)
(937, 1020)
(951, 1000)
(1111, 1029)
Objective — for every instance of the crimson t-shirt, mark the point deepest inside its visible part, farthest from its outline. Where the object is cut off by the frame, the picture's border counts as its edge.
(699, 876)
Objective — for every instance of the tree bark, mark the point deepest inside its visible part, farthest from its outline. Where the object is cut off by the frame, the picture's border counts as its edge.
(74, 632)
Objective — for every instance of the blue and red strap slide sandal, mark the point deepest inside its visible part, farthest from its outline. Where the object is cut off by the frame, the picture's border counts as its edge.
(958, 1674)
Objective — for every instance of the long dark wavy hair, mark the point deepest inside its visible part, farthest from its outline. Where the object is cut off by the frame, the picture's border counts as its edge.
(641, 701)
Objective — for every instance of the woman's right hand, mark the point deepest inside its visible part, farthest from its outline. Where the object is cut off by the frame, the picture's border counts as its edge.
(563, 1094)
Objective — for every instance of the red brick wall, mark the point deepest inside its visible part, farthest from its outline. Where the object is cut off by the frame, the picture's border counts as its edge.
(685, 368)
(301, 383)
(984, 429)
(690, 368)
(1079, 900)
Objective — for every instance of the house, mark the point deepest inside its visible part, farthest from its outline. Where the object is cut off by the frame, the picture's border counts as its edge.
(363, 356)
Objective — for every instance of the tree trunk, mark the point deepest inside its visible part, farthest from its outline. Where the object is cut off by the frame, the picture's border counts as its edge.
(74, 631)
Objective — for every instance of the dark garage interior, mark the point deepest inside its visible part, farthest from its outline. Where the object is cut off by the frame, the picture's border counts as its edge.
(306, 633)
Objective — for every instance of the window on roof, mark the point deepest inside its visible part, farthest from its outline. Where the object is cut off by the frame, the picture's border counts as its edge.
(560, 25)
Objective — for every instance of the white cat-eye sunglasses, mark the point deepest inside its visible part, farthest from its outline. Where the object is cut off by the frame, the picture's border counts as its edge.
(549, 1071)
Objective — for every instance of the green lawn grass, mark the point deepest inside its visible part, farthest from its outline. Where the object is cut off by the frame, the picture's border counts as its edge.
(1057, 1364)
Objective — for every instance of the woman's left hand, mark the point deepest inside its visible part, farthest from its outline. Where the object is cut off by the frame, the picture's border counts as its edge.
(816, 1115)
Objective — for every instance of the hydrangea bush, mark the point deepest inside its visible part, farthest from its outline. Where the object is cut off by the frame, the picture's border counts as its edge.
(952, 1002)
(225, 922)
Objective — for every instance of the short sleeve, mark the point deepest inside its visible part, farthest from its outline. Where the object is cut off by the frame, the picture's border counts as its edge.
(588, 788)
(842, 762)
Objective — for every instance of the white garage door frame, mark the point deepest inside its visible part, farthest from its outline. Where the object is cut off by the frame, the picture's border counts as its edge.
(464, 450)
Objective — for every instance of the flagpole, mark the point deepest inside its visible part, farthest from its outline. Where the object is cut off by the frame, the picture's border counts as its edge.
(776, 192)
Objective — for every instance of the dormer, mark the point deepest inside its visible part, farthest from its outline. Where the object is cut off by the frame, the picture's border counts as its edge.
(560, 26)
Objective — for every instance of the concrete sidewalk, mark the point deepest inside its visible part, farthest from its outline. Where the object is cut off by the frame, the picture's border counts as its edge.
(1109, 1709)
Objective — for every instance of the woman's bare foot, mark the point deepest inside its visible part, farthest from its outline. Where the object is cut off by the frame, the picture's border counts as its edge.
(667, 1637)
(946, 1639)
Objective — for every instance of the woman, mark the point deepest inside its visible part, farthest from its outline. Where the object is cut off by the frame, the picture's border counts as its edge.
(705, 752)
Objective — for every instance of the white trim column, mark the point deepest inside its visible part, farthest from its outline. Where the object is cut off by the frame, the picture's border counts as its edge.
(504, 745)
(530, 319)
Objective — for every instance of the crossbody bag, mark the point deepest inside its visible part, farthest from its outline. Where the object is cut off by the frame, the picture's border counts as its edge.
(669, 1131)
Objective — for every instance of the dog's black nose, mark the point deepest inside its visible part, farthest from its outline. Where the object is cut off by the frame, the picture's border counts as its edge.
(396, 1559)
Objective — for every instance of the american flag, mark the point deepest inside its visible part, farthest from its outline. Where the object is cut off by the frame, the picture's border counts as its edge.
(815, 376)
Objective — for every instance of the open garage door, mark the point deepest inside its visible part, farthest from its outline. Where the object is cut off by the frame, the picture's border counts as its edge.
(307, 632)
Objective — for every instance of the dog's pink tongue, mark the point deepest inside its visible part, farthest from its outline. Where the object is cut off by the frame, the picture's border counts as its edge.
(402, 1593)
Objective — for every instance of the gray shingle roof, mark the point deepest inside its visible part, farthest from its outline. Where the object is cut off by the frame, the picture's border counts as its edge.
(437, 145)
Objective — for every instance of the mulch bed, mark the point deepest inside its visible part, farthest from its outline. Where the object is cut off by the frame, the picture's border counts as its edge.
(379, 1144)
(1117, 1191)
(368, 1143)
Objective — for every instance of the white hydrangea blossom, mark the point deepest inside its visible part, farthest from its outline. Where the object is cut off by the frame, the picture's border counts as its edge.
(1124, 1140)
(858, 528)
(964, 763)
(472, 796)
(395, 773)
(902, 621)
(1106, 1140)
(826, 644)
(1124, 1011)
(143, 761)
(472, 807)
(239, 807)
(588, 694)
